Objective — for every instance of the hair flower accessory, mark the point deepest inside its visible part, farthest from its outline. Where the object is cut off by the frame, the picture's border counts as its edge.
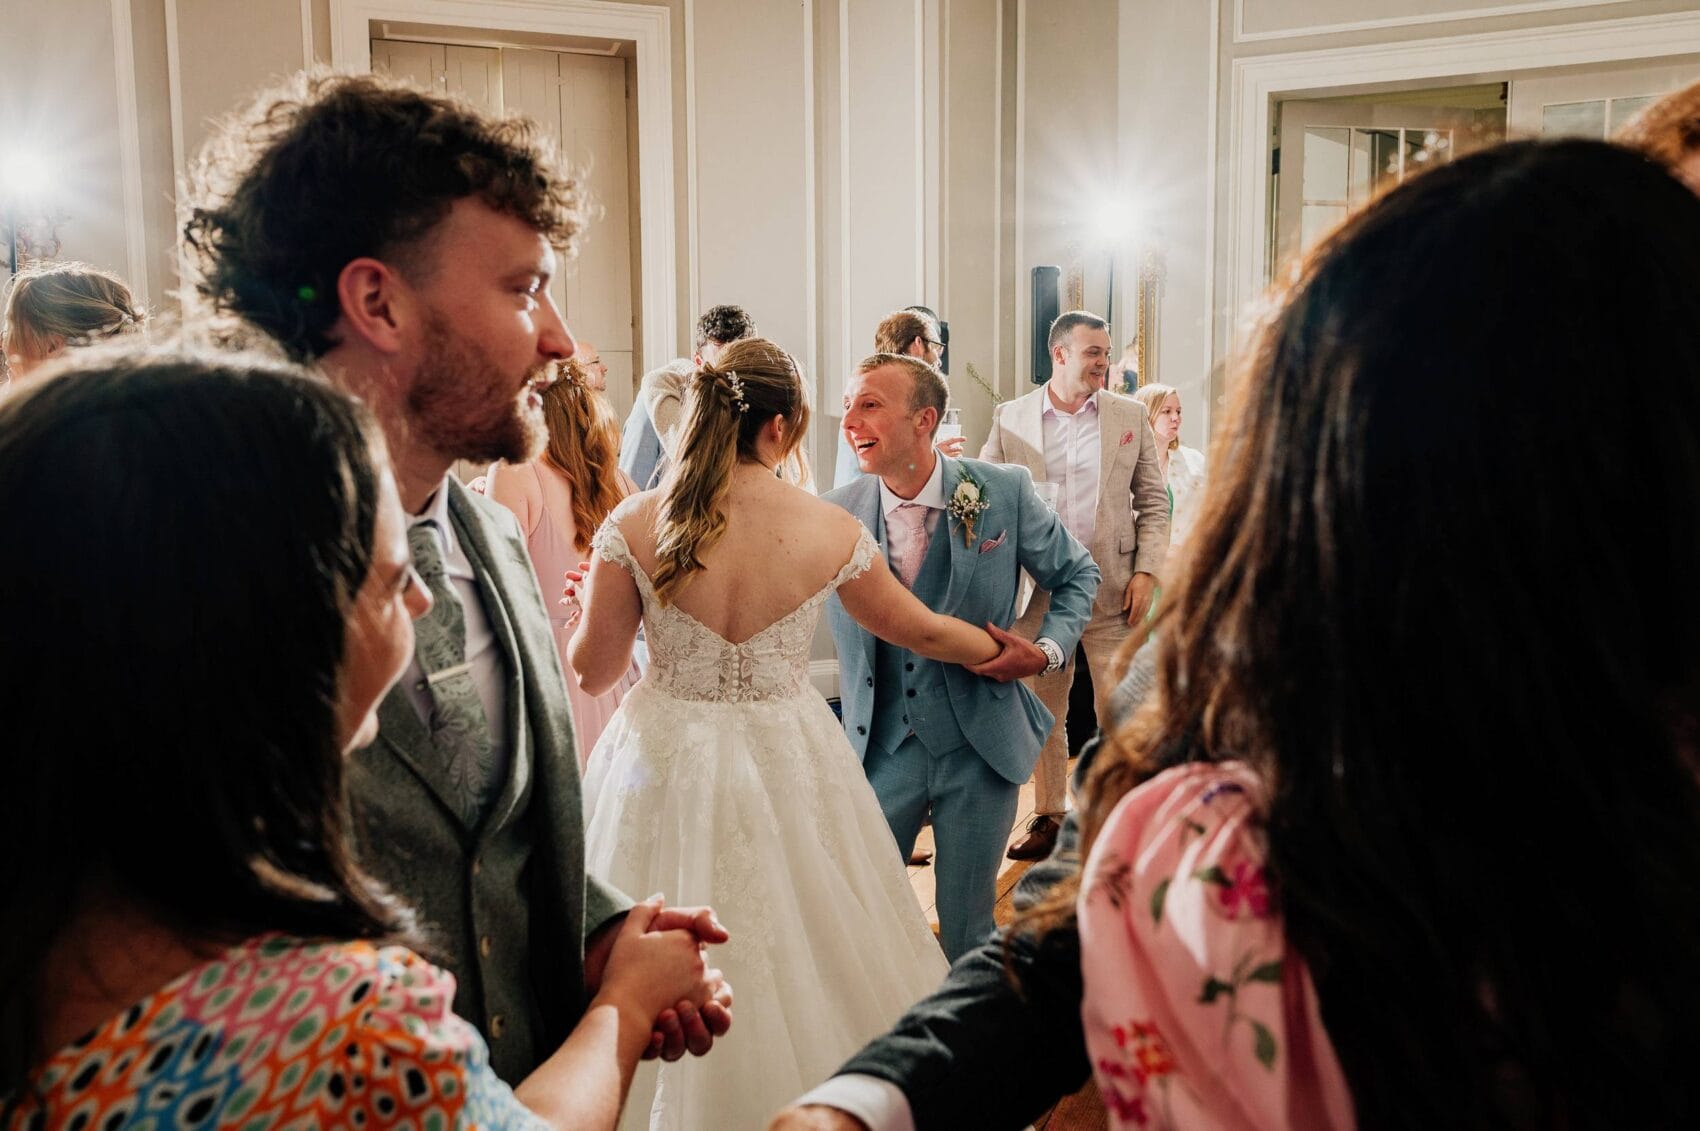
(737, 385)
(967, 503)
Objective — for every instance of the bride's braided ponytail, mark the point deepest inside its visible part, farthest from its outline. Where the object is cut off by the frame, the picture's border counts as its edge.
(727, 404)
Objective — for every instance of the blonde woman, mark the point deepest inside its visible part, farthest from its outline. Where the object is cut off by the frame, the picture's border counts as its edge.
(560, 499)
(724, 776)
(1183, 467)
(56, 306)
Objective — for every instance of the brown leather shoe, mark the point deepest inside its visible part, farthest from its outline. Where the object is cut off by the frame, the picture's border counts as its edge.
(1040, 839)
(920, 857)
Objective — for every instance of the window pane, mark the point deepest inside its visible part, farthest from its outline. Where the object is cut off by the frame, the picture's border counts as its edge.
(1574, 119)
(1426, 147)
(1325, 164)
(1623, 109)
(1317, 220)
(1383, 158)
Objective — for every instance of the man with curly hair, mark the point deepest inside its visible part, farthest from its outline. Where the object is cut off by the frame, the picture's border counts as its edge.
(403, 244)
(651, 428)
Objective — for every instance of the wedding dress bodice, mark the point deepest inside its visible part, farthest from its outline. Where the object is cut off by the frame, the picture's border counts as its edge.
(688, 660)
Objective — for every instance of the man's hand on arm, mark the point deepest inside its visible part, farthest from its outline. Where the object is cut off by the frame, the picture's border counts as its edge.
(685, 1027)
(1136, 602)
(1017, 658)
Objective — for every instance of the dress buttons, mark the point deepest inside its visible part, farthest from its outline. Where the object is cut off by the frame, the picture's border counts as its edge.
(477, 866)
(484, 947)
(498, 1026)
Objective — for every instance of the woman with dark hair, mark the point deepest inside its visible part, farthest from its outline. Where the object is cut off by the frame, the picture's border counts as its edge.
(206, 591)
(560, 499)
(1427, 851)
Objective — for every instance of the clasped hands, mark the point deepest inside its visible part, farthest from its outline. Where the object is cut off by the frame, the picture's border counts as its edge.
(1016, 657)
(658, 949)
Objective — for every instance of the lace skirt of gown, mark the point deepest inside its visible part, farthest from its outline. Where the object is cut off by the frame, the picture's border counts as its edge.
(761, 810)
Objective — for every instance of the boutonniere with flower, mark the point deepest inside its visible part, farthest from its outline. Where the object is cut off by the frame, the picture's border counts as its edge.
(967, 503)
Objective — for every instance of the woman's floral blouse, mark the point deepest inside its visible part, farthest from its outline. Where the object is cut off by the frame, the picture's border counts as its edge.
(1197, 1012)
(279, 1033)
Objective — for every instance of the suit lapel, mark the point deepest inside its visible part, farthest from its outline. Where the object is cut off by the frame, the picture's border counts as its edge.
(963, 556)
(1028, 424)
(495, 579)
(867, 508)
(1114, 422)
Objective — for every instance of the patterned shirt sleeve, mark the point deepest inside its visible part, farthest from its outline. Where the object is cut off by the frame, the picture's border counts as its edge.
(1197, 1012)
(411, 1061)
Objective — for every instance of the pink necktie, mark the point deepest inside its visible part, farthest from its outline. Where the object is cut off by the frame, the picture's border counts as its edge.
(908, 540)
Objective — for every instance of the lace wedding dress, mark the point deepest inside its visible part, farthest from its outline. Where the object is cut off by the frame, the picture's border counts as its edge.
(724, 779)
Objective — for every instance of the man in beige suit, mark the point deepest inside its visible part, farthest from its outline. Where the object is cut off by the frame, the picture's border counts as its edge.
(1097, 449)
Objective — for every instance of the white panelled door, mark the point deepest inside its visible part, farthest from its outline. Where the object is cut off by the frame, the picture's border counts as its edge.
(580, 101)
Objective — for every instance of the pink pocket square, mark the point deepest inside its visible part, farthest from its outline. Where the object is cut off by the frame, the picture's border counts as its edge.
(991, 544)
(1127, 438)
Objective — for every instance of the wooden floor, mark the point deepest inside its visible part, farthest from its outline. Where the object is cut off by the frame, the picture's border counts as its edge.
(1082, 1111)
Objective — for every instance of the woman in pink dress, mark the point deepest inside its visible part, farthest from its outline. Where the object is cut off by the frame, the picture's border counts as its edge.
(1409, 835)
(560, 499)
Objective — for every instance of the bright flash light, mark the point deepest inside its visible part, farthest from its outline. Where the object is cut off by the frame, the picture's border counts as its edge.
(1114, 220)
(25, 175)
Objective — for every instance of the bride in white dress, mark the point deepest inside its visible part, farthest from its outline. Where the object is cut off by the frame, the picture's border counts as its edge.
(724, 778)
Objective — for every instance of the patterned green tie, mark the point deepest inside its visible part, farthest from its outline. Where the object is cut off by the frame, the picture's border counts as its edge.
(459, 729)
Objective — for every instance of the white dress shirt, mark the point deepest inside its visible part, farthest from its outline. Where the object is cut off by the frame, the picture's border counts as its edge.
(1072, 450)
(489, 669)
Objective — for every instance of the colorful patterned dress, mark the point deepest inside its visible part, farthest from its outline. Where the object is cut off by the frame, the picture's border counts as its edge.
(1197, 1012)
(278, 1033)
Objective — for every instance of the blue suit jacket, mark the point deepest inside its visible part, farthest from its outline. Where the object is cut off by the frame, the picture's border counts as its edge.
(1004, 722)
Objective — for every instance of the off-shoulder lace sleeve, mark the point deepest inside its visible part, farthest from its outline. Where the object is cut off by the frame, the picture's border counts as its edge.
(1196, 1011)
(861, 558)
(610, 543)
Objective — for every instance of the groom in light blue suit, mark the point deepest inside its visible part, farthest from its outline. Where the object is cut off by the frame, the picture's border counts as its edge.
(962, 740)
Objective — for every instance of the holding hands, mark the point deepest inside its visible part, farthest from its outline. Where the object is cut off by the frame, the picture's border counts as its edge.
(653, 964)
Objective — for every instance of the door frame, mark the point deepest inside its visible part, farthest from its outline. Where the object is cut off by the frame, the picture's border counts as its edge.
(1257, 83)
(646, 26)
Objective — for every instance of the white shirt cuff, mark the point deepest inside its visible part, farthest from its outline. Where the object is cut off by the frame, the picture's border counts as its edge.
(878, 1103)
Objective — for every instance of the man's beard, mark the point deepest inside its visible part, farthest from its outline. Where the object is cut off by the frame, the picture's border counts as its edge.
(463, 406)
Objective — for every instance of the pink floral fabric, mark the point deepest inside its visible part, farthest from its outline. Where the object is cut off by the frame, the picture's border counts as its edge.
(1197, 1012)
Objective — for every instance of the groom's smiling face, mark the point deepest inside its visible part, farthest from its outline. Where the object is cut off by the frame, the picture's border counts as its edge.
(882, 429)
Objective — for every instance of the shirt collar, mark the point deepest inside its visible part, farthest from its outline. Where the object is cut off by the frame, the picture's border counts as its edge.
(437, 511)
(1051, 408)
(930, 495)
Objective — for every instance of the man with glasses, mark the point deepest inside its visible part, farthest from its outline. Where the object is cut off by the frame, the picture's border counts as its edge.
(916, 332)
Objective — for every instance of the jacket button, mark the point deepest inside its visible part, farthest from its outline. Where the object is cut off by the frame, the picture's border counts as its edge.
(477, 866)
(910, 693)
(905, 718)
(498, 1026)
(870, 681)
(861, 730)
(484, 947)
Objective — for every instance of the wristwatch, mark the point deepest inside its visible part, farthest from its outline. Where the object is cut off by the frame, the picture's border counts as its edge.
(1053, 654)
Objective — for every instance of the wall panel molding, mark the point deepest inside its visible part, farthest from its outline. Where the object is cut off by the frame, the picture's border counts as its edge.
(130, 148)
(1414, 20)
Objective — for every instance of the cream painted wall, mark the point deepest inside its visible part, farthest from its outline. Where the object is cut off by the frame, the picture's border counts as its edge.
(752, 163)
(63, 104)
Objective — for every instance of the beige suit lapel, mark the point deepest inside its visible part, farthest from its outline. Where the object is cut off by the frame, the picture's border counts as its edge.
(1025, 421)
(1118, 443)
